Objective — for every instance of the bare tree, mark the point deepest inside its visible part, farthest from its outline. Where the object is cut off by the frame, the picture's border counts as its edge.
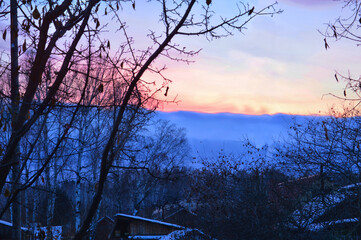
(57, 32)
(155, 156)
(346, 27)
(325, 152)
(174, 18)
(232, 199)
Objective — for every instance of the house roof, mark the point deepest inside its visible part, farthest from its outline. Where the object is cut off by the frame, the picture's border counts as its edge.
(351, 186)
(2, 222)
(105, 218)
(148, 220)
(150, 237)
(320, 226)
(319, 205)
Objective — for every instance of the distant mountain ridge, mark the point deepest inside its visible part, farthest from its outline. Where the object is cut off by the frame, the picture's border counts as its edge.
(211, 132)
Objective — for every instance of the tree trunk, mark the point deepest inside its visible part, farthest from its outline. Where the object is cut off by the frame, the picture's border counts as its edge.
(93, 225)
(47, 183)
(78, 172)
(15, 99)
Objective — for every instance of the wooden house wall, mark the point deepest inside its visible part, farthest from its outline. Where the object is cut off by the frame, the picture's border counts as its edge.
(148, 228)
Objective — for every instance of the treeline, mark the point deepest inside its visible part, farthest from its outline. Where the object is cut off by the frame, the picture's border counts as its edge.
(305, 186)
(59, 174)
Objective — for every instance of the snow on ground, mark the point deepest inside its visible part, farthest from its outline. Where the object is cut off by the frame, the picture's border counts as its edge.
(187, 234)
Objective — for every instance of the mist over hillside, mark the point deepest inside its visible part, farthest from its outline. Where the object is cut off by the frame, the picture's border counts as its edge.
(210, 133)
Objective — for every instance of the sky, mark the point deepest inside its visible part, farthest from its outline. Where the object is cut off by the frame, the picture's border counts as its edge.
(277, 65)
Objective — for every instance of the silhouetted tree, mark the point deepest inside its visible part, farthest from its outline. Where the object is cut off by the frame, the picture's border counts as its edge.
(68, 33)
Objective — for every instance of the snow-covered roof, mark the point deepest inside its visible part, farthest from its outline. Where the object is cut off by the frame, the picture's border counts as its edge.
(148, 220)
(149, 237)
(320, 226)
(351, 186)
(10, 225)
(318, 206)
(315, 208)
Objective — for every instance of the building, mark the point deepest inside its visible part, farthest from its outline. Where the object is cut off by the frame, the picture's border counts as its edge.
(103, 228)
(134, 227)
(334, 212)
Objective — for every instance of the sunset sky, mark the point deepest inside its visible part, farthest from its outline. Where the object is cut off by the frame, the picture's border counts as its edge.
(278, 65)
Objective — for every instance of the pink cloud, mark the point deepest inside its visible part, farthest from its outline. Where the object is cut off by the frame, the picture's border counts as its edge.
(216, 107)
(260, 110)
